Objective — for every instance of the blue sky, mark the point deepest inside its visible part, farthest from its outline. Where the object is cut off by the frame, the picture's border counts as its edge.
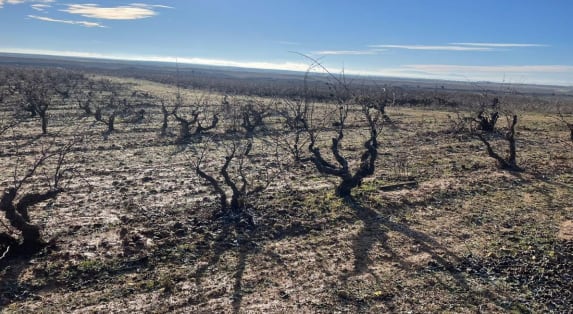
(513, 41)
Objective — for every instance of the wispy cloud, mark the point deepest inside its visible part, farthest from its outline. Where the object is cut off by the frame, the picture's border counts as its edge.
(467, 46)
(81, 23)
(2, 2)
(133, 11)
(345, 52)
(40, 7)
(499, 45)
(374, 49)
(287, 43)
(536, 74)
(145, 5)
(434, 47)
(443, 68)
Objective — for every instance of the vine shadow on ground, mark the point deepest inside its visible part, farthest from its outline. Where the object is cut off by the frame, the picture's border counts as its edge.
(376, 227)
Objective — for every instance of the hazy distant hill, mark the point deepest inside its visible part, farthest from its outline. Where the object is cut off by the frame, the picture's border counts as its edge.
(149, 69)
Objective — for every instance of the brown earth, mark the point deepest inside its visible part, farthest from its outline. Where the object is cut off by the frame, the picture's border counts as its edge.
(134, 230)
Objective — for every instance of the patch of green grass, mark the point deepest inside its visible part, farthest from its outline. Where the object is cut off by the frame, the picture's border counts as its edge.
(324, 202)
(91, 266)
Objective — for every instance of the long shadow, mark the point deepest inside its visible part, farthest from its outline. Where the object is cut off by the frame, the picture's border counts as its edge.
(225, 242)
(222, 246)
(11, 268)
(244, 251)
(10, 288)
(548, 187)
(234, 237)
(375, 230)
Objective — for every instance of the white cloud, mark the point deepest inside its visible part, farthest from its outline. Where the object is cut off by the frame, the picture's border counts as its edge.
(346, 52)
(288, 66)
(499, 45)
(128, 12)
(40, 7)
(2, 2)
(287, 43)
(534, 74)
(460, 46)
(145, 5)
(434, 47)
(82, 23)
(55, 53)
(442, 68)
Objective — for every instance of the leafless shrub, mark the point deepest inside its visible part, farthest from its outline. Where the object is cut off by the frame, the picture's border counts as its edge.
(566, 122)
(349, 179)
(106, 112)
(508, 162)
(200, 117)
(296, 114)
(487, 116)
(379, 101)
(226, 106)
(346, 102)
(7, 123)
(461, 124)
(108, 101)
(39, 89)
(237, 176)
(89, 95)
(50, 167)
(7, 88)
(166, 113)
(85, 102)
(253, 116)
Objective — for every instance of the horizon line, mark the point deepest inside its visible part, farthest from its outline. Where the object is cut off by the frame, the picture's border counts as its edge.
(404, 72)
